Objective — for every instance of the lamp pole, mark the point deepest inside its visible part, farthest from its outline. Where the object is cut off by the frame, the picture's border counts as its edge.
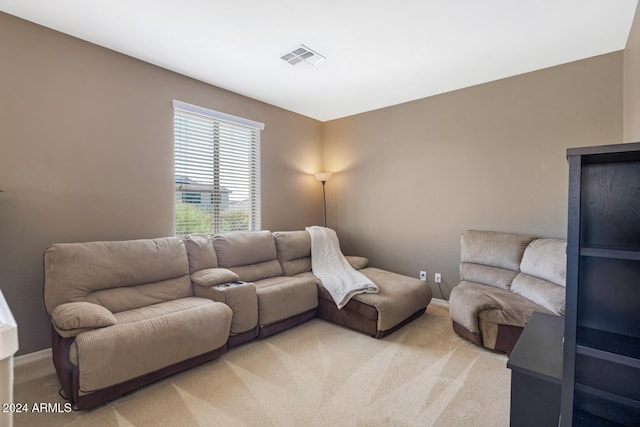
(323, 177)
(324, 205)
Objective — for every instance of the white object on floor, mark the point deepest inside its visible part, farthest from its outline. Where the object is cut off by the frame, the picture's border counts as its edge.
(8, 347)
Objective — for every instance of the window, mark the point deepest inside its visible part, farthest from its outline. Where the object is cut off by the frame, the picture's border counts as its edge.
(217, 171)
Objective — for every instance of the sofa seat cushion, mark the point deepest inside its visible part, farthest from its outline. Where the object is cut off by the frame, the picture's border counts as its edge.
(282, 297)
(310, 276)
(480, 309)
(147, 339)
(399, 296)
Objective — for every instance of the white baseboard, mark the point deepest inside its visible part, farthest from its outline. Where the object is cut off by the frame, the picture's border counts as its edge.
(36, 356)
(439, 301)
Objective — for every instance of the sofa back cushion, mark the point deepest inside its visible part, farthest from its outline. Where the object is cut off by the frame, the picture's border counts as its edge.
(487, 275)
(250, 254)
(118, 275)
(546, 259)
(200, 252)
(491, 257)
(543, 273)
(294, 251)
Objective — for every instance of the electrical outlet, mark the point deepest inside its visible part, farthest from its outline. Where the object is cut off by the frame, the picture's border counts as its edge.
(438, 278)
(423, 276)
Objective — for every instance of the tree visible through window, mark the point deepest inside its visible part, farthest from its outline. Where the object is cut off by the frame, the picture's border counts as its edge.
(217, 171)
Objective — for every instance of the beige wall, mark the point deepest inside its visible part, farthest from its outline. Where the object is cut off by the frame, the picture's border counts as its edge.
(410, 178)
(86, 153)
(632, 83)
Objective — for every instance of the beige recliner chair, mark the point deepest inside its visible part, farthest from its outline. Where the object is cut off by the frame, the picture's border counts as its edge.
(124, 314)
(504, 278)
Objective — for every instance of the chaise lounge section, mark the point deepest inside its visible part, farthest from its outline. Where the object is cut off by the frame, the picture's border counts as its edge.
(400, 300)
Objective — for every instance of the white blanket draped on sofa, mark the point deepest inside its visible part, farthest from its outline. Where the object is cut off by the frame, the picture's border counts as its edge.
(332, 268)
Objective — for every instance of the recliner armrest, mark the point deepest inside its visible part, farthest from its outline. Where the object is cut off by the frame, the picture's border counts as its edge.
(72, 318)
(210, 277)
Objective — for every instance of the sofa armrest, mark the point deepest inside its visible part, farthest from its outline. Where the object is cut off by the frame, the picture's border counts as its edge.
(357, 262)
(210, 277)
(72, 318)
(241, 297)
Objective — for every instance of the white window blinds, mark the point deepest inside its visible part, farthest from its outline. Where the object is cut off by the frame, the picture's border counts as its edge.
(217, 171)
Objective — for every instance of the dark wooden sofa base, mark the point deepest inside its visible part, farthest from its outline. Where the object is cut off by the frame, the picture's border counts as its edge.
(508, 337)
(356, 315)
(241, 338)
(287, 323)
(68, 374)
(467, 334)
(505, 341)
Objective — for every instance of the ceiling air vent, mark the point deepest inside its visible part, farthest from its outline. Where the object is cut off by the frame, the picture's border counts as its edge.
(302, 54)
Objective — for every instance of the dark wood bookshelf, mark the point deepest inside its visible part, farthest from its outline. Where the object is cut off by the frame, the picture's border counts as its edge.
(601, 353)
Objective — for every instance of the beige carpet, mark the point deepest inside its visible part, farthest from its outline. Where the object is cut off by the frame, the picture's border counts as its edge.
(316, 374)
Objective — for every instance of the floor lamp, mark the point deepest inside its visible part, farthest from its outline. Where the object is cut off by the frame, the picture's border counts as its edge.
(323, 177)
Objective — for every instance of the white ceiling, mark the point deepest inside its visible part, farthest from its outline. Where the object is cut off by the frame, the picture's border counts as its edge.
(378, 53)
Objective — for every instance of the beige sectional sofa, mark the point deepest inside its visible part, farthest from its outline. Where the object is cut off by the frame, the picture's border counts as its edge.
(127, 313)
(505, 277)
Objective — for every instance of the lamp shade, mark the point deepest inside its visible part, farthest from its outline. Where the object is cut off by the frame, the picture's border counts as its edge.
(323, 176)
